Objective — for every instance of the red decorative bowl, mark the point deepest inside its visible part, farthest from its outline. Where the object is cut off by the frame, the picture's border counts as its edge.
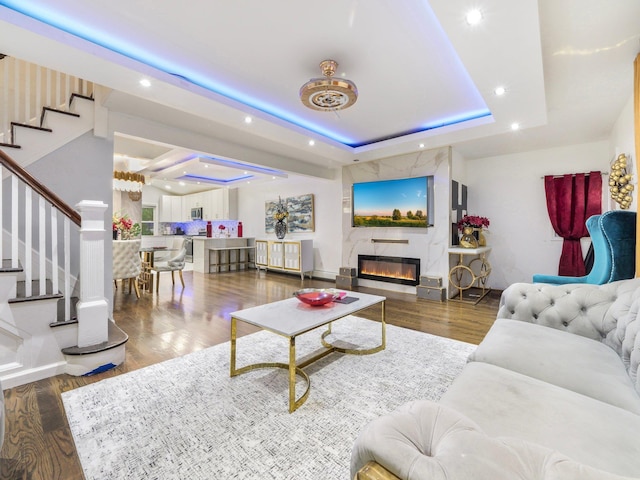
(315, 297)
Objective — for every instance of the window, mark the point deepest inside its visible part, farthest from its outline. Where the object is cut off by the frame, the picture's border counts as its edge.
(149, 220)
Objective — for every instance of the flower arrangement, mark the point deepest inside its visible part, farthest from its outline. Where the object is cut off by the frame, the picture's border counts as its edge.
(281, 211)
(124, 227)
(221, 227)
(473, 221)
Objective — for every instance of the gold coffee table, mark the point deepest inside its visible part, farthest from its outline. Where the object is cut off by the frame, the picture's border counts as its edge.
(290, 318)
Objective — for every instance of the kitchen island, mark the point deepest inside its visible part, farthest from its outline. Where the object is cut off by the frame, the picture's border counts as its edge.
(214, 255)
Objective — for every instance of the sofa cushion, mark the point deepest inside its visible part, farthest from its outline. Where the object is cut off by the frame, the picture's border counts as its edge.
(507, 403)
(570, 361)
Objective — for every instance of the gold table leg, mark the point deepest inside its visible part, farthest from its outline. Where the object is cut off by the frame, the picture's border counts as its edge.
(294, 369)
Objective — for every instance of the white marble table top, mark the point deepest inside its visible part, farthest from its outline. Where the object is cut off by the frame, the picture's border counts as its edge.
(291, 317)
(469, 251)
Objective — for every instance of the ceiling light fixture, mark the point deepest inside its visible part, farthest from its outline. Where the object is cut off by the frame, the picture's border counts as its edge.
(515, 126)
(312, 143)
(129, 182)
(474, 17)
(248, 120)
(145, 83)
(499, 91)
(328, 94)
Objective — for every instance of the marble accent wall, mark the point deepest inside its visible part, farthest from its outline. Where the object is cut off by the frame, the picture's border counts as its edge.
(429, 245)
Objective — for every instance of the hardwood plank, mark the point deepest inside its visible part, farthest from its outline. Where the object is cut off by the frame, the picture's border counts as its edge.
(38, 442)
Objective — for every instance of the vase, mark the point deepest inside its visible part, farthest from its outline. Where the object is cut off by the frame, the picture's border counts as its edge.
(280, 229)
(482, 240)
(468, 240)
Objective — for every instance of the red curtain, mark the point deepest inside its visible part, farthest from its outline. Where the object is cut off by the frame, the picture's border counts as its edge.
(571, 199)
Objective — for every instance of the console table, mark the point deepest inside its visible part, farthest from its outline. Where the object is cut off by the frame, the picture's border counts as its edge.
(472, 270)
(291, 256)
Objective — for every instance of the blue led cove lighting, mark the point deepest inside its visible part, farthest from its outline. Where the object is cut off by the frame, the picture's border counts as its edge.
(49, 16)
(216, 180)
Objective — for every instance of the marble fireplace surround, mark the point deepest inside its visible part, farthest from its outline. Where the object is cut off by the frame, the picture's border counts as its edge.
(429, 245)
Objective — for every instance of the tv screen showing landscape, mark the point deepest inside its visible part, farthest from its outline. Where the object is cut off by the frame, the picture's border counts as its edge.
(393, 203)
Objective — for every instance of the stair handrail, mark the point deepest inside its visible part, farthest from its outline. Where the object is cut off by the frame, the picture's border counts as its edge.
(68, 211)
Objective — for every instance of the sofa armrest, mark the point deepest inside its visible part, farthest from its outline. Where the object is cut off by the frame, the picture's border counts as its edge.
(583, 309)
(425, 440)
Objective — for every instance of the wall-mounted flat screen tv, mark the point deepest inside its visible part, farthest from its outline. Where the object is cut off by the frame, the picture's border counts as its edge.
(405, 202)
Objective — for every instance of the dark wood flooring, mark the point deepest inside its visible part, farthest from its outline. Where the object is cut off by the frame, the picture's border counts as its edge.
(38, 443)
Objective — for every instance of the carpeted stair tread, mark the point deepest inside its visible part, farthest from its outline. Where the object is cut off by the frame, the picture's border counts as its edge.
(35, 292)
(60, 314)
(46, 110)
(5, 266)
(116, 338)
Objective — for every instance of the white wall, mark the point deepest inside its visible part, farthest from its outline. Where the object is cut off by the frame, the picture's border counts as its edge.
(622, 140)
(509, 190)
(327, 207)
(82, 170)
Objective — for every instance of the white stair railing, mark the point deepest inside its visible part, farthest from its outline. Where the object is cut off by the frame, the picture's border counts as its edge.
(26, 88)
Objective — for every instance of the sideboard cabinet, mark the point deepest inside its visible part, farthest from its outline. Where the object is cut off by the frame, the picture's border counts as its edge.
(295, 256)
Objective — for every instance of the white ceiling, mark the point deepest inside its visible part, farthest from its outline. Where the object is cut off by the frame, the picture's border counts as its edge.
(566, 66)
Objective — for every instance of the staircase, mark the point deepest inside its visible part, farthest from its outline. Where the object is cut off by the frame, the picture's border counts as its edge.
(50, 321)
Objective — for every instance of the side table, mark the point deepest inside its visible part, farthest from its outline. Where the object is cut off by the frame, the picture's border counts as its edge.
(470, 272)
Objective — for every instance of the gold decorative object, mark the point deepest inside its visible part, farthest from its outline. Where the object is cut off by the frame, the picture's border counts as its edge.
(620, 182)
(468, 240)
(482, 240)
(327, 94)
(135, 196)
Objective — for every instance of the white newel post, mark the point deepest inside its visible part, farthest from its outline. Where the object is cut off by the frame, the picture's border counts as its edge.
(92, 308)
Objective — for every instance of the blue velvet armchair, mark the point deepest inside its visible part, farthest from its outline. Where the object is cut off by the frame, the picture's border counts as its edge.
(613, 235)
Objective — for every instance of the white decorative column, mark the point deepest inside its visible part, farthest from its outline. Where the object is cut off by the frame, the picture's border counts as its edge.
(92, 308)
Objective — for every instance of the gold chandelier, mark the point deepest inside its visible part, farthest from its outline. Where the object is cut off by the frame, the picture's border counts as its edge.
(327, 94)
(129, 182)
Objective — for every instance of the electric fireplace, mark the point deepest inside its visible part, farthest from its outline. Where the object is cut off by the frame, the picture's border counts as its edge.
(405, 271)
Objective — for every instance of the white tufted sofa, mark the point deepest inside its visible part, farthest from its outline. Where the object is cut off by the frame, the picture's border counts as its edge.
(552, 392)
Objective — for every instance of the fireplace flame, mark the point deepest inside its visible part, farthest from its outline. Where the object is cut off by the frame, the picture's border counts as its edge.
(389, 270)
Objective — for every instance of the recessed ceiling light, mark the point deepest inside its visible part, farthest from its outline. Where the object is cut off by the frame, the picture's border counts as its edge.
(168, 187)
(184, 172)
(206, 166)
(198, 183)
(273, 178)
(248, 119)
(182, 184)
(421, 145)
(474, 17)
(145, 83)
(499, 91)
(245, 172)
(312, 143)
(515, 126)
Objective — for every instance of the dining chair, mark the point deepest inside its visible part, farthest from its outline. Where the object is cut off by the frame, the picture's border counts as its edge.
(173, 264)
(127, 264)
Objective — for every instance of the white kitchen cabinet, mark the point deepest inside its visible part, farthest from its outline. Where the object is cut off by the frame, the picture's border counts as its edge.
(262, 253)
(295, 256)
(171, 209)
(219, 204)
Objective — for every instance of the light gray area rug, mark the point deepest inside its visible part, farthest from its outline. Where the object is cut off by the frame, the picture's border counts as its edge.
(186, 419)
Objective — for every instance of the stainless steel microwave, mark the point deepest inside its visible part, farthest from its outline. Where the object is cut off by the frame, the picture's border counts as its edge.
(196, 213)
